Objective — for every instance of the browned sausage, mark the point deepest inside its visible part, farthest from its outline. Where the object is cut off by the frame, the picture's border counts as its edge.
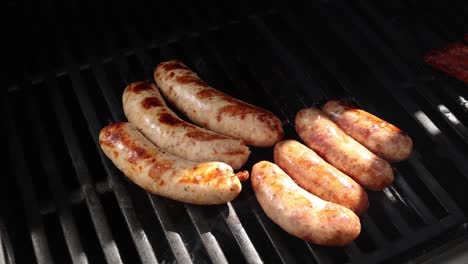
(167, 175)
(318, 177)
(144, 107)
(299, 212)
(379, 136)
(214, 110)
(340, 150)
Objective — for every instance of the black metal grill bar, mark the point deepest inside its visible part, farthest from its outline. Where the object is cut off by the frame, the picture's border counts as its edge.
(175, 240)
(228, 68)
(369, 224)
(67, 220)
(419, 206)
(397, 218)
(267, 59)
(387, 81)
(127, 52)
(376, 234)
(28, 196)
(439, 192)
(226, 63)
(428, 216)
(242, 238)
(401, 97)
(404, 46)
(76, 197)
(2, 249)
(94, 204)
(410, 75)
(3, 259)
(436, 21)
(139, 237)
(410, 242)
(204, 231)
(208, 239)
(272, 232)
(210, 243)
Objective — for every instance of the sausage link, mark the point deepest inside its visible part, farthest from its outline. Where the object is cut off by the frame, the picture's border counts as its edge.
(299, 212)
(214, 110)
(318, 177)
(164, 174)
(340, 150)
(144, 107)
(379, 136)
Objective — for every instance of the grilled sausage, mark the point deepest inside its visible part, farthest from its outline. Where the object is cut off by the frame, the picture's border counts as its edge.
(214, 110)
(167, 175)
(144, 107)
(340, 150)
(299, 212)
(380, 137)
(318, 177)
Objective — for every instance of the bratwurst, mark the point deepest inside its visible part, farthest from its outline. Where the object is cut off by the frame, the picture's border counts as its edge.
(214, 110)
(299, 212)
(167, 175)
(379, 136)
(144, 107)
(340, 150)
(318, 177)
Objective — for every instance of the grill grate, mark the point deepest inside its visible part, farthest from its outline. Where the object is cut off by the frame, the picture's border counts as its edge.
(70, 204)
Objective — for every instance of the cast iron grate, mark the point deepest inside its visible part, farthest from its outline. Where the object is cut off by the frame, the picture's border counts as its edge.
(66, 202)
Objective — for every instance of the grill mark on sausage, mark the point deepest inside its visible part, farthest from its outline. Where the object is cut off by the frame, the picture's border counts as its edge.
(115, 135)
(142, 86)
(173, 65)
(150, 102)
(112, 134)
(203, 136)
(208, 93)
(185, 79)
(242, 109)
(136, 152)
(170, 120)
(159, 168)
(234, 152)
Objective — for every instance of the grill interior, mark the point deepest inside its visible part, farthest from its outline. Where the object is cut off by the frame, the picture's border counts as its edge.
(64, 201)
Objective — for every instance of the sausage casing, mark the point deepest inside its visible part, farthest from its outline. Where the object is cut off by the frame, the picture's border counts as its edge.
(379, 136)
(164, 174)
(144, 107)
(340, 150)
(299, 212)
(214, 110)
(318, 177)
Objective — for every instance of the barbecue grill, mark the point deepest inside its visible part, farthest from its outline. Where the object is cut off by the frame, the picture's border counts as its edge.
(63, 200)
